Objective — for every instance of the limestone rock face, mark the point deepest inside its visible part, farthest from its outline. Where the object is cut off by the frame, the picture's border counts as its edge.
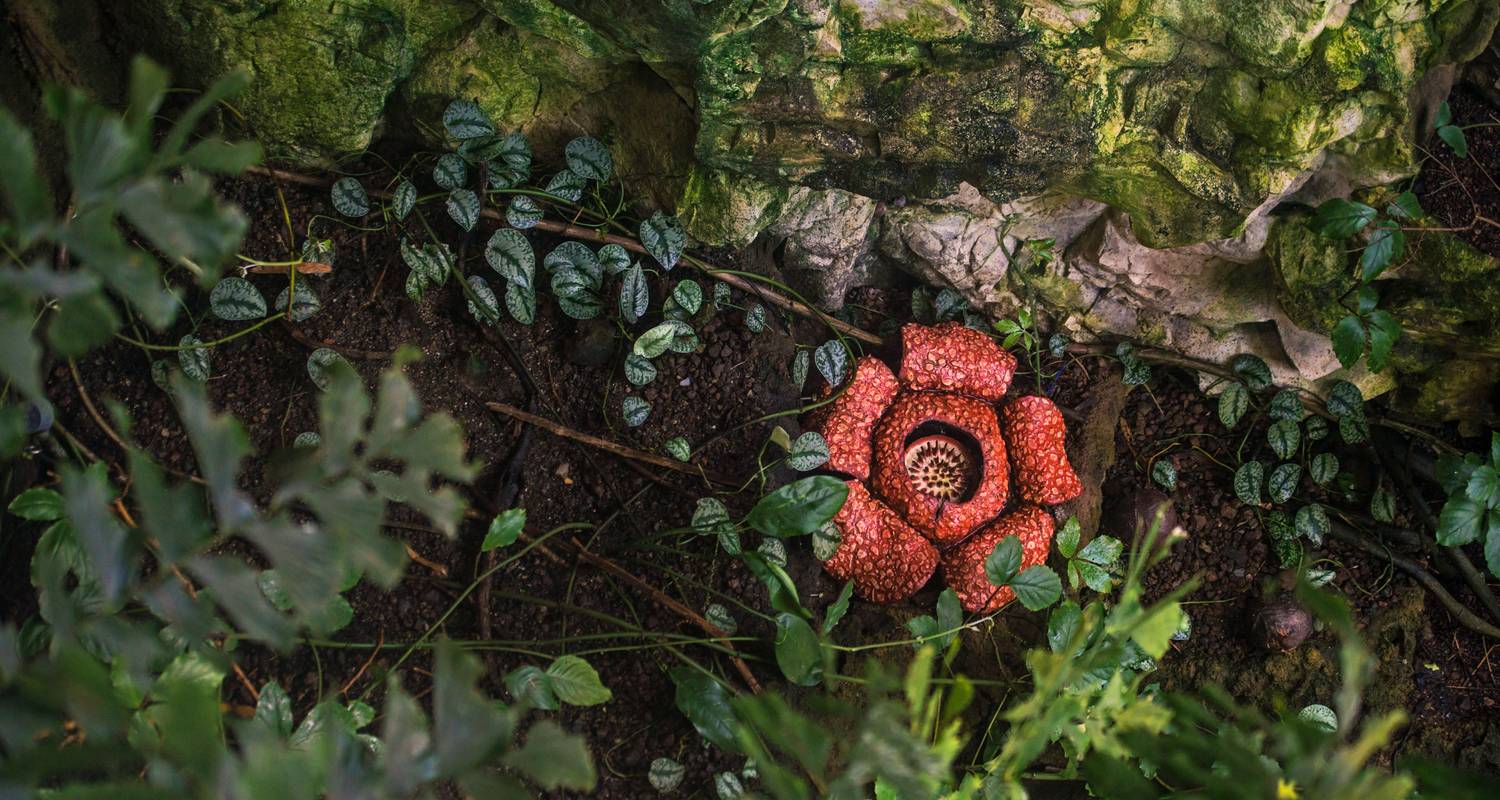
(858, 139)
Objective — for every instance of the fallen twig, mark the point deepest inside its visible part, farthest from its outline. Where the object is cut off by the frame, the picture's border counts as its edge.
(606, 445)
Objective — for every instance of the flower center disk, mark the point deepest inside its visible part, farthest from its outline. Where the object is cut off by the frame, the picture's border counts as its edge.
(940, 467)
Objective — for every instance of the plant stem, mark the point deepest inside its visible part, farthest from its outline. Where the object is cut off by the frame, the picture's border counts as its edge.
(203, 345)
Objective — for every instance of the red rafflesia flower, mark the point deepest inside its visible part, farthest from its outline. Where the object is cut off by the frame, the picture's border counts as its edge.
(933, 465)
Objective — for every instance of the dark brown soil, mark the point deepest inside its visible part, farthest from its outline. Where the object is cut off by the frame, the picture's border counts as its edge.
(1463, 193)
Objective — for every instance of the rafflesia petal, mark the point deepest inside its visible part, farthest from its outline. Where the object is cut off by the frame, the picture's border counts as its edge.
(886, 558)
(963, 565)
(848, 423)
(1035, 433)
(943, 521)
(953, 358)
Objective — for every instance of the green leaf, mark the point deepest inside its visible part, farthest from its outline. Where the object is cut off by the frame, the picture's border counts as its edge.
(655, 341)
(1354, 428)
(1286, 405)
(639, 370)
(1312, 523)
(1315, 428)
(1339, 218)
(1283, 482)
(236, 300)
(39, 505)
(704, 702)
(404, 199)
(1248, 480)
(679, 448)
(504, 529)
(306, 305)
(1484, 486)
(523, 212)
(832, 361)
(576, 682)
(663, 238)
(1037, 587)
(1137, 372)
(838, 608)
(1492, 542)
(1444, 115)
(531, 686)
(1233, 402)
(1460, 522)
(1323, 468)
(1062, 625)
(464, 119)
(719, 616)
(1252, 370)
(1103, 551)
(450, 172)
(635, 295)
(1382, 504)
(349, 198)
(808, 452)
(221, 157)
(567, 184)
(487, 310)
(1453, 136)
(1384, 331)
(82, 323)
(1387, 244)
(509, 253)
(1284, 436)
(798, 651)
(1002, 564)
(195, 361)
(20, 359)
(273, 710)
(320, 364)
(577, 257)
(1344, 398)
(553, 759)
(665, 775)
(800, 362)
(755, 318)
(590, 159)
(1405, 206)
(1348, 340)
(799, 507)
(25, 193)
(463, 207)
(689, 295)
(1164, 473)
(1068, 538)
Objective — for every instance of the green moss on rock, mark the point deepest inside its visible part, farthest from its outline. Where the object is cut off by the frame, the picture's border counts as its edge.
(727, 209)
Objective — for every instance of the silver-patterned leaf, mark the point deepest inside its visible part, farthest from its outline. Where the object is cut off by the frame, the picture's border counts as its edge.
(450, 172)
(808, 452)
(236, 300)
(826, 541)
(755, 318)
(689, 295)
(318, 365)
(490, 314)
(520, 301)
(719, 617)
(195, 361)
(635, 410)
(679, 448)
(832, 360)
(665, 775)
(590, 159)
(349, 197)
(663, 238)
(567, 185)
(577, 256)
(639, 370)
(404, 199)
(614, 258)
(307, 439)
(800, 364)
(509, 253)
(722, 295)
(463, 207)
(306, 305)
(523, 212)
(635, 297)
(464, 119)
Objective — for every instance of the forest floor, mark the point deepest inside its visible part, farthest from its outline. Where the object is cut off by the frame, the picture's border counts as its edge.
(1445, 675)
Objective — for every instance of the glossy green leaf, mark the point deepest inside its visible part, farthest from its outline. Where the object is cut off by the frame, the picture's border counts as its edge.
(1460, 522)
(705, 703)
(1348, 340)
(798, 651)
(800, 507)
(1386, 246)
(1339, 218)
(504, 529)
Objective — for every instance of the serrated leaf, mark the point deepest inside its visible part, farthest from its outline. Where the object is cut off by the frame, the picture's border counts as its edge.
(1484, 486)
(523, 212)
(1339, 218)
(1348, 340)
(464, 119)
(1068, 536)
(1233, 402)
(1384, 331)
(808, 452)
(349, 197)
(635, 411)
(663, 238)
(1386, 245)
(195, 361)
(1037, 587)
(1248, 479)
(1460, 522)
(463, 208)
(1283, 482)
(1003, 562)
(576, 682)
(590, 159)
(689, 295)
(236, 300)
(306, 306)
(1405, 206)
(450, 172)
(635, 295)
(404, 199)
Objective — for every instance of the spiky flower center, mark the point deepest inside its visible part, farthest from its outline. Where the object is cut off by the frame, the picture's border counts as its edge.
(940, 467)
